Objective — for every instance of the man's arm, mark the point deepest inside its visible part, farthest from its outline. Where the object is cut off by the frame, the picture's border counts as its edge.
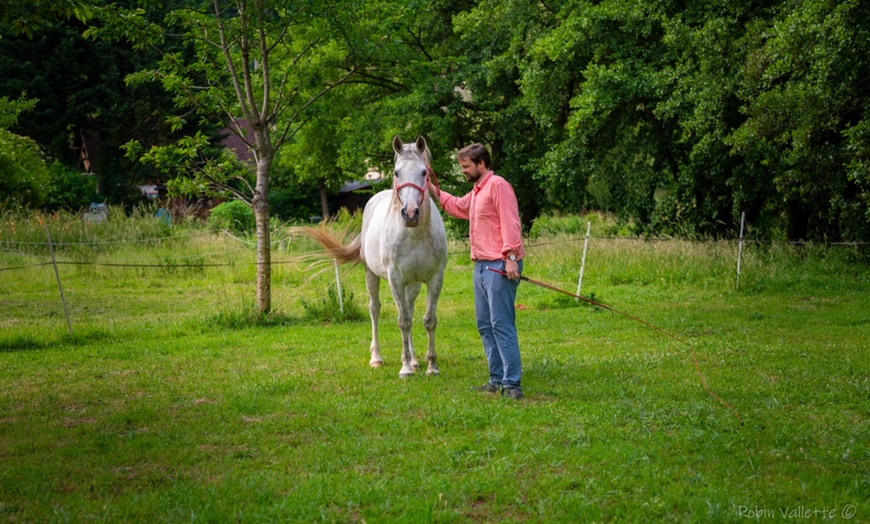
(453, 206)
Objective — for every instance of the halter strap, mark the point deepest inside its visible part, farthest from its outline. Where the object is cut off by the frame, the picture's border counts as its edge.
(411, 184)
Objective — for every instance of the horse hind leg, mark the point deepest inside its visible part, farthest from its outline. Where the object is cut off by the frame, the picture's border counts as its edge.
(373, 286)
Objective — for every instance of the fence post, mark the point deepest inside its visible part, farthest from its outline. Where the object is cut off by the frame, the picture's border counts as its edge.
(57, 277)
(740, 249)
(583, 260)
(338, 287)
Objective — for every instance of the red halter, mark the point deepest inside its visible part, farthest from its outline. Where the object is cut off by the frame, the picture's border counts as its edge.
(411, 184)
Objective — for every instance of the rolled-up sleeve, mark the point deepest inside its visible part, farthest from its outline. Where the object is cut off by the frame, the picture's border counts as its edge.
(505, 200)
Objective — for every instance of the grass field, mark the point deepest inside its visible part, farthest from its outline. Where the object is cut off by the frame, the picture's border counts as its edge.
(172, 402)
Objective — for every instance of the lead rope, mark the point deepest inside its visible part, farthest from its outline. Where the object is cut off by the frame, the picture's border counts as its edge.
(432, 178)
(660, 330)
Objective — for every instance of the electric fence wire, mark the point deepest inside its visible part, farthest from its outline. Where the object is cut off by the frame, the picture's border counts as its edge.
(464, 249)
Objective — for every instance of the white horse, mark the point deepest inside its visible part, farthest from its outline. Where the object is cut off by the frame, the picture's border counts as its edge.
(402, 241)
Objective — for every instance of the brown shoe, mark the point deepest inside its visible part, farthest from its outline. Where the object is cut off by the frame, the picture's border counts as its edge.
(489, 387)
(512, 393)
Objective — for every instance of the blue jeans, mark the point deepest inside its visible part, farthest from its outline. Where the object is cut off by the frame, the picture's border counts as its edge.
(494, 298)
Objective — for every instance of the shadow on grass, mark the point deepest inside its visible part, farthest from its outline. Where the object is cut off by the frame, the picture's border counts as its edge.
(21, 343)
(244, 318)
(566, 302)
(327, 309)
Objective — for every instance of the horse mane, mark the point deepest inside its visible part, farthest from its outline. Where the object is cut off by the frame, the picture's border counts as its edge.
(407, 149)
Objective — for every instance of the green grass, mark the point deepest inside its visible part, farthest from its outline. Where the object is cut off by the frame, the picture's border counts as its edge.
(173, 402)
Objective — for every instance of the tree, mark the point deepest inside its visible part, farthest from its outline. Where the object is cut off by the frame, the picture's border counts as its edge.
(406, 88)
(25, 16)
(805, 90)
(80, 95)
(260, 65)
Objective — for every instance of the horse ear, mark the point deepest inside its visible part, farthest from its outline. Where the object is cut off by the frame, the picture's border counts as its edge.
(397, 144)
(421, 143)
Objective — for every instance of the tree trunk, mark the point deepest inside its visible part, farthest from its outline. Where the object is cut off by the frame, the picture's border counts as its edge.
(798, 222)
(264, 243)
(324, 204)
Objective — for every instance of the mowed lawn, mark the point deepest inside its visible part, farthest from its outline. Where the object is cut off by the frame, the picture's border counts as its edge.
(171, 402)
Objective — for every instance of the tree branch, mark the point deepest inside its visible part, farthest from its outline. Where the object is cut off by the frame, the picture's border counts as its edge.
(234, 77)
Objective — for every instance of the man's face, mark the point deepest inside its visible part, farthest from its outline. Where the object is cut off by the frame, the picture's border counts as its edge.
(472, 171)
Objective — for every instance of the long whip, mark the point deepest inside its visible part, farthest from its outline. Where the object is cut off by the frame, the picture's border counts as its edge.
(644, 322)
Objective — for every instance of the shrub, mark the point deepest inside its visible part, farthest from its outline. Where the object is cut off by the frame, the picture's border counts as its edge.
(69, 189)
(329, 309)
(23, 175)
(552, 225)
(347, 221)
(235, 216)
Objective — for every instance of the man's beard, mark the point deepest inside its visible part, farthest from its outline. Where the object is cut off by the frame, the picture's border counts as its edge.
(474, 177)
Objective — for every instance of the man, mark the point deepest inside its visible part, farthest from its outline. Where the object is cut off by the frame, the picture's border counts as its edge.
(496, 242)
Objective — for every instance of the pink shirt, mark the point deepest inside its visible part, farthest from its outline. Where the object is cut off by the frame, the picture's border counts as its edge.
(491, 207)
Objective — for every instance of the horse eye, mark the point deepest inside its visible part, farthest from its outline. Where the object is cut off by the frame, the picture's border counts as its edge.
(396, 172)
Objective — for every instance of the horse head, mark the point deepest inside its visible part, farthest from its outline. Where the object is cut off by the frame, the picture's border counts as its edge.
(410, 180)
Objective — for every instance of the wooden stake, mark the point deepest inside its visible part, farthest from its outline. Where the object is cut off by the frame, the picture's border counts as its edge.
(740, 249)
(583, 261)
(338, 287)
(59, 286)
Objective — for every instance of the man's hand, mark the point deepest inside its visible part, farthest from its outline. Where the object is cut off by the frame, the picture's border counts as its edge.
(512, 269)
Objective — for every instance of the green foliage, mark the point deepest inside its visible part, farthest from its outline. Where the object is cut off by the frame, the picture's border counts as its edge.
(245, 316)
(235, 216)
(676, 117)
(83, 101)
(347, 221)
(69, 189)
(805, 94)
(293, 202)
(10, 109)
(599, 224)
(552, 225)
(213, 170)
(23, 175)
(330, 309)
(456, 229)
(25, 16)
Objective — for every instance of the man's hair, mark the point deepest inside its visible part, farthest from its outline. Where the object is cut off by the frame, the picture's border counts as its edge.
(477, 153)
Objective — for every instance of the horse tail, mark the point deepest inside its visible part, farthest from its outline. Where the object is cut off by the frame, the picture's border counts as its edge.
(333, 245)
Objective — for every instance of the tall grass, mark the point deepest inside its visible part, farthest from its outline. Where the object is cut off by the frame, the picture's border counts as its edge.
(23, 228)
(174, 402)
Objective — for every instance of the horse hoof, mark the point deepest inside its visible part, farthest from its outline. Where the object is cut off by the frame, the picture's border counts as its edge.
(376, 363)
(433, 372)
(406, 372)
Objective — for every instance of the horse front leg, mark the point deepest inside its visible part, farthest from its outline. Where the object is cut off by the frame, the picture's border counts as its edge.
(411, 292)
(373, 286)
(430, 320)
(406, 316)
